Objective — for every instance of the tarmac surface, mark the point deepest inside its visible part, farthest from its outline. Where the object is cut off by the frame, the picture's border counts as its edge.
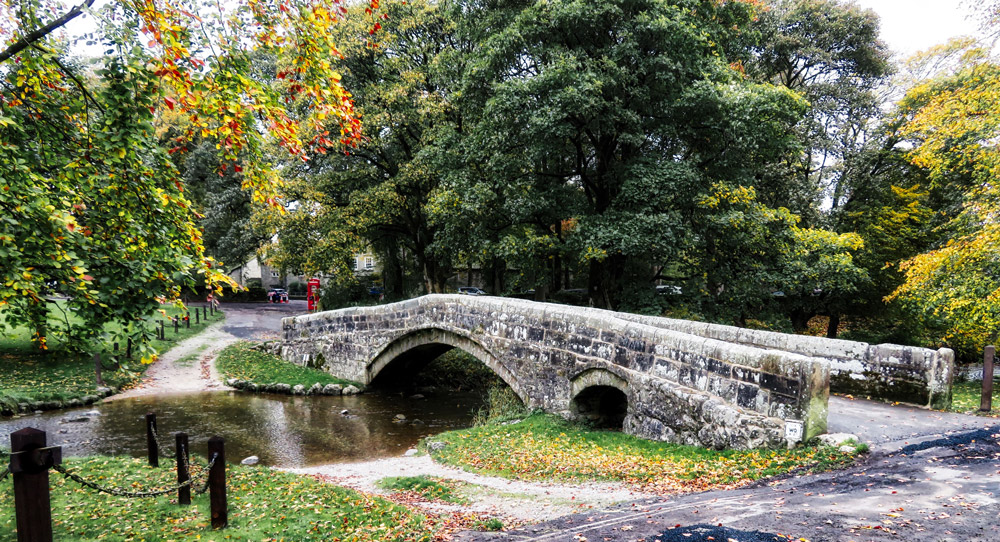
(259, 321)
(931, 476)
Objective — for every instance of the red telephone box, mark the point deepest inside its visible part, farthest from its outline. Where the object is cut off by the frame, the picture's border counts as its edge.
(312, 293)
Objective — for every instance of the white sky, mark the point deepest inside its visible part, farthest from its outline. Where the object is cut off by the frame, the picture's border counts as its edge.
(909, 26)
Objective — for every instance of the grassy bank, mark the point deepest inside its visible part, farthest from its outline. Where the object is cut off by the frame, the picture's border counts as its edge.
(54, 378)
(966, 396)
(242, 362)
(543, 447)
(264, 505)
(433, 489)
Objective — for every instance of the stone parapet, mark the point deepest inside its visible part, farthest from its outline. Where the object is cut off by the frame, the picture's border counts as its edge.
(909, 374)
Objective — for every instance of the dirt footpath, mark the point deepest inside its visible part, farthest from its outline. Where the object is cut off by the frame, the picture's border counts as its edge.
(190, 365)
(515, 501)
(187, 367)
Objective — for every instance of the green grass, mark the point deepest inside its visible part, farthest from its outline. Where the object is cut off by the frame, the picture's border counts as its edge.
(189, 359)
(264, 505)
(966, 396)
(435, 489)
(241, 361)
(489, 524)
(544, 447)
(31, 376)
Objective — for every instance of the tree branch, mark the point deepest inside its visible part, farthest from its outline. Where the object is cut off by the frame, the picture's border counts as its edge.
(40, 33)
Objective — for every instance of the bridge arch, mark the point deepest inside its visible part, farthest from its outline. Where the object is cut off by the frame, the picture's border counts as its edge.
(600, 396)
(429, 343)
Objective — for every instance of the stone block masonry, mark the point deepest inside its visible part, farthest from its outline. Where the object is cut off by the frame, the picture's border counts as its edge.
(891, 372)
(680, 387)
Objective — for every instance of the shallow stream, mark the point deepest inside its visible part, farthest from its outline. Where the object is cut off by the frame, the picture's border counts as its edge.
(283, 431)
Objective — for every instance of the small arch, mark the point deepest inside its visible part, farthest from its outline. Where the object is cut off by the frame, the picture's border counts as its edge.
(600, 397)
(412, 351)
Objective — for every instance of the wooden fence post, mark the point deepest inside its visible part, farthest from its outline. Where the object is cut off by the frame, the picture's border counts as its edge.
(986, 401)
(163, 335)
(154, 450)
(197, 316)
(187, 319)
(183, 475)
(98, 376)
(217, 483)
(30, 462)
(177, 324)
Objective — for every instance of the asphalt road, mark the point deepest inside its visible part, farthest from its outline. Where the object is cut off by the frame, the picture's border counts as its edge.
(259, 321)
(931, 477)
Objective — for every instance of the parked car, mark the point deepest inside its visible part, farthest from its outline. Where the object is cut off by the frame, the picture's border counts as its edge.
(277, 295)
(471, 290)
(669, 289)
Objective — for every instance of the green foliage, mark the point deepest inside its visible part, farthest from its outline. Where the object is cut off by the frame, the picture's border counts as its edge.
(435, 489)
(243, 362)
(490, 524)
(457, 370)
(264, 504)
(951, 123)
(349, 292)
(829, 51)
(544, 447)
(373, 197)
(93, 206)
(231, 235)
(600, 147)
(502, 404)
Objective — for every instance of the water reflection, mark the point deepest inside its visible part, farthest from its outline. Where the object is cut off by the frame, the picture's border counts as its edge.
(283, 431)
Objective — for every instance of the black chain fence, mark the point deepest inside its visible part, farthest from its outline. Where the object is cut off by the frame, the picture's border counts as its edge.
(159, 446)
(119, 492)
(6, 470)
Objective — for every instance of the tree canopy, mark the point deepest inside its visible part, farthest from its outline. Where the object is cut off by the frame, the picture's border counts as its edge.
(743, 156)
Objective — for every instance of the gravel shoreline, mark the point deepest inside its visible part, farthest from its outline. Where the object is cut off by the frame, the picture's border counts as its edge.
(525, 502)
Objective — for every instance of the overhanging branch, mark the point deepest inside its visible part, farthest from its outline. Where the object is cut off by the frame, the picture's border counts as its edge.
(40, 33)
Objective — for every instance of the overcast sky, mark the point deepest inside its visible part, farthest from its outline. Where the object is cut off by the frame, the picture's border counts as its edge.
(909, 26)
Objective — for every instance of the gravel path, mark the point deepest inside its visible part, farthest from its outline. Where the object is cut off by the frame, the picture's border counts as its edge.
(488, 495)
(187, 367)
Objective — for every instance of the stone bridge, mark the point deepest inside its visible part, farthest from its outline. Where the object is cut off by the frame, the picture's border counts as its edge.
(651, 381)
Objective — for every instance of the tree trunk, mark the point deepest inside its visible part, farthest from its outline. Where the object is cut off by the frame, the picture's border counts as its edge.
(831, 328)
(605, 282)
(98, 377)
(497, 282)
(392, 272)
(800, 320)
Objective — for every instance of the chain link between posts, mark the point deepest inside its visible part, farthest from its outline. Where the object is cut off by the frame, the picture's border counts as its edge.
(118, 492)
(6, 470)
(156, 439)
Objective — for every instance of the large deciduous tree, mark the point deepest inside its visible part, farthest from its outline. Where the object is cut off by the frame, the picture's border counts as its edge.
(376, 195)
(954, 127)
(92, 205)
(630, 103)
(829, 51)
